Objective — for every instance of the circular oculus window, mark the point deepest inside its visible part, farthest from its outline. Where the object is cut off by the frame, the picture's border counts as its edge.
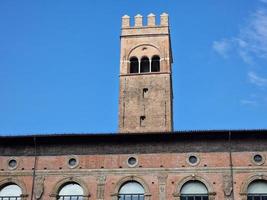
(258, 159)
(193, 160)
(132, 161)
(73, 162)
(12, 163)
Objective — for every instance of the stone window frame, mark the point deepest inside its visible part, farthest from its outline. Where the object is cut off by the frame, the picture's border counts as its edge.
(180, 184)
(21, 184)
(132, 156)
(193, 154)
(72, 157)
(121, 182)
(61, 183)
(12, 158)
(244, 187)
(258, 163)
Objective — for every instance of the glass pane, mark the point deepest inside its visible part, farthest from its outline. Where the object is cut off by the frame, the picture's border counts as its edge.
(258, 187)
(71, 189)
(257, 198)
(10, 198)
(11, 191)
(132, 187)
(194, 187)
(131, 197)
(70, 197)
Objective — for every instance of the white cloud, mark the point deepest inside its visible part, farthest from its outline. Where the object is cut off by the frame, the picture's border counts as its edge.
(255, 35)
(255, 100)
(257, 80)
(222, 47)
(249, 102)
(251, 42)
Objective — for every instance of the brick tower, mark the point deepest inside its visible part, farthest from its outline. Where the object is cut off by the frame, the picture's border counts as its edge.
(145, 102)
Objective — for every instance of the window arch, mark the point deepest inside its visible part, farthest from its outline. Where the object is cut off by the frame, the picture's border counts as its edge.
(155, 64)
(131, 190)
(11, 192)
(144, 67)
(194, 190)
(71, 191)
(134, 65)
(257, 190)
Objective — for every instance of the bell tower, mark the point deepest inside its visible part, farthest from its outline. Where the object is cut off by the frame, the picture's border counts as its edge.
(145, 102)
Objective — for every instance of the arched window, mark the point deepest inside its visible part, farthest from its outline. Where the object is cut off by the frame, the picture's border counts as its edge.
(194, 190)
(131, 190)
(155, 64)
(134, 65)
(257, 190)
(71, 191)
(144, 65)
(10, 192)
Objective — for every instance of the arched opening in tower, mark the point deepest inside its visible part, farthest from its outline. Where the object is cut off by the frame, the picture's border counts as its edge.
(134, 65)
(144, 65)
(155, 64)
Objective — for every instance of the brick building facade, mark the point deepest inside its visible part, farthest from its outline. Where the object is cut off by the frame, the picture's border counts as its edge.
(152, 162)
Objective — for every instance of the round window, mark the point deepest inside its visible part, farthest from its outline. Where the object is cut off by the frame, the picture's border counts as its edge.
(132, 161)
(73, 162)
(12, 163)
(193, 159)
(257, 158)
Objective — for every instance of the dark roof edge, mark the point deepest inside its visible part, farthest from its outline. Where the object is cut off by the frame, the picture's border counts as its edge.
(180, 132)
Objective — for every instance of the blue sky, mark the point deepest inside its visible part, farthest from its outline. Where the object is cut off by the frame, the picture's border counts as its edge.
(59, 64)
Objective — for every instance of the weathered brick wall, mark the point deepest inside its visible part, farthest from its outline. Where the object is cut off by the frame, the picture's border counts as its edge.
(107, 170)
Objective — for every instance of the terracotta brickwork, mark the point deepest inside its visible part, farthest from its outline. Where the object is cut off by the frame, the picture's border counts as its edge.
(166, 171)
(145, 102)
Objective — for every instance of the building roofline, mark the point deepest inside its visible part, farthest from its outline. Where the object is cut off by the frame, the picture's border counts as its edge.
(178, 133)
(108, 143)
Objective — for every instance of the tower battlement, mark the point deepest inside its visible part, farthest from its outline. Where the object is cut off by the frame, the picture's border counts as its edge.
(151, 21)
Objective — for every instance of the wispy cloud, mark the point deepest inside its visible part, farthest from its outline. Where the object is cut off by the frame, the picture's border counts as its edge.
(222, 47)
(249, 102)
(257, 80)
(251, 42)
(254, 100)
(254, 36)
